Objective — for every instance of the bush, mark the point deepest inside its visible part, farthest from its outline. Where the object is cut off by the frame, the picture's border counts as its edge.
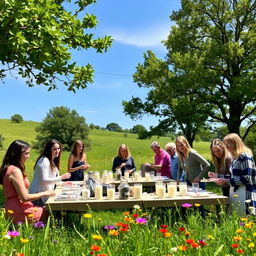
(64, 125)
(17, 118)
(1, 141)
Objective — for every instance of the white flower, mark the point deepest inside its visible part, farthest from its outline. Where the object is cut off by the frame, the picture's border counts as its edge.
(136, 206)
(248, 201)
(174, 249)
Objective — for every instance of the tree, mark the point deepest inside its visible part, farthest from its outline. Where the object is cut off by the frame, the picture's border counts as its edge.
(16, 118)
(37, 37)
(113, 127)
(138, 128)
(64, 125)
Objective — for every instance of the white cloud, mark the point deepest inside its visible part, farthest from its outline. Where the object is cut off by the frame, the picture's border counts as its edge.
(148, 37)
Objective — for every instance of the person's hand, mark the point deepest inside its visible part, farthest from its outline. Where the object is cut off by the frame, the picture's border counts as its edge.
(212, 175)
(65, 176)
(147, 164)
(122, 165)
(85, 166)
(50, 193)
(221, 181)
(196, 179)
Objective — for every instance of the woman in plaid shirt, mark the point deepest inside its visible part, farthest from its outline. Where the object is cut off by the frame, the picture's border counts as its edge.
(242, 179)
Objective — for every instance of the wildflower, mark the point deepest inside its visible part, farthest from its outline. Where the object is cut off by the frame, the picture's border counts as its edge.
(136, 206)
(24, 241)
(96, 237)
(113, 232)
(254, 234)
(39, 225)
(241, 224)
(190, 241)
(240, 251)
(237, 238)
(202, 242)
(167, 234)
(101, 254)
(122, 226)
(238, 231)
(182, 229)
(235, 196)
(187, 233)
(31, 215)
(87, 216)
(197, 205)
(13, 233)
(141, 221)
(174, 249)
(249, 225)
(163, 230)
(135, 215)
(248, 201)
(31, 237)
(95, 248)
(128, 219)
(251, 245)
(10, 211)
(19, 254)
(109, 227)
(164, 226)
(183, 247)
(126, 213)
(243, 219)
(234, 245)
(186, 205)
(19, 223)
(195, 245)
(210, 237)
(7, 236)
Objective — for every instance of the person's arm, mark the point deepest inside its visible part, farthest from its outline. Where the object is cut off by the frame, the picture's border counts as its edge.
(115, 164)
(204, 164)
(180, 170)
(87, 166)
(133, 169)
(16, 178)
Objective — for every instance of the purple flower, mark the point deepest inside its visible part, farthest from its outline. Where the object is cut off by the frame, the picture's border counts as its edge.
(241, 223)
(13, 233)
(186, 205)
(39, 224)
(141, 221)
(19, 223)
(109, 227)
(31, 237)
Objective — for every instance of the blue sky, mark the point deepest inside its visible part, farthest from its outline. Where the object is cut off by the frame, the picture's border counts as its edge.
(136, 26)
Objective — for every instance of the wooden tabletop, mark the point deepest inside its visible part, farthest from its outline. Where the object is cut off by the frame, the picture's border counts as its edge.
(147, 201)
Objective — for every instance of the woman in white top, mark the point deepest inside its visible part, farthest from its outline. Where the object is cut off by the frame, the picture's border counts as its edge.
(46, 173)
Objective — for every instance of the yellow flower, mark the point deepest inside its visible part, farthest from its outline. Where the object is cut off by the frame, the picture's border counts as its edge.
(31, 215)
(243, 219)
(113, 232)
(249, 225)
(210, 237)
(167, 234)
(238, 231)
(87, 215)
(24, 241)
(235, 196)
(237, 238)
(197, 205)
(251, 245)
(126, 213)
(10, 211)
(128, 219)
(187, 233)
(254, 234)
(96, 237)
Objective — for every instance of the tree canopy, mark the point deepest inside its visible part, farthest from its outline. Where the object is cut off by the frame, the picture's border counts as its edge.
(114, 127)
(37, 37)
(16, 118)
(211, 60)
(64, 125)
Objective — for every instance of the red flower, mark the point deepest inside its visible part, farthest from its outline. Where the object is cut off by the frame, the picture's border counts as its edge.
(234, 245)
(164, 226)
(190, 241)
(163, 230)
(182, 229)
(135, 215)
(240, 251)
(195, 245)
(95, 248)
(102, 254)
(202, 242)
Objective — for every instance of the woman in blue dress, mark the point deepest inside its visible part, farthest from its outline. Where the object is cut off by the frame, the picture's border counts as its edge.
(77, 162)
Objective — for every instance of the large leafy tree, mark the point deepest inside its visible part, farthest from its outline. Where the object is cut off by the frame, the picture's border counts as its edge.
(212, 58)
(37, 36)
(64, 125)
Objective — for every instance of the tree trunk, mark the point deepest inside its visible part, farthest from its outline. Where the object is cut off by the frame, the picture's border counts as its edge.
(234, 121)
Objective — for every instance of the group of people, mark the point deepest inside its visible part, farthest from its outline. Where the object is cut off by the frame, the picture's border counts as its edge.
(233, 161)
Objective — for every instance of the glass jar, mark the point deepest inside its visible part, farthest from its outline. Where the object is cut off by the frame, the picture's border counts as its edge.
(118, 174)
(124, 190)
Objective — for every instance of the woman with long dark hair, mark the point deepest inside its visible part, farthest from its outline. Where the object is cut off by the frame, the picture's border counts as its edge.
(15, 185)
(46, 173)
(77, 162)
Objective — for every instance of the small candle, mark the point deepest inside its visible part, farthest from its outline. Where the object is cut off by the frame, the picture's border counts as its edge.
(161, 192)
(183, 188)
(85, 194)
(172, 190)
(98, 192)
(147, 176)
(111, 192)
(137, 176)
(138, 191)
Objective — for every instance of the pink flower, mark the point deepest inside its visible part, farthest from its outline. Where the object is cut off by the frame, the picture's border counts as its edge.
(141, 221)
(186, 205)
(13, 233)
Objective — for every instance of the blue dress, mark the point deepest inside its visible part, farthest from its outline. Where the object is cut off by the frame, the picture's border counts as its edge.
(79, 174)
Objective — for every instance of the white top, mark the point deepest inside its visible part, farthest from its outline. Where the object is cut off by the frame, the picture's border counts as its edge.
(44, 177)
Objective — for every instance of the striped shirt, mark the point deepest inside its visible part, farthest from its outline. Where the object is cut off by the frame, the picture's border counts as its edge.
(243, 173)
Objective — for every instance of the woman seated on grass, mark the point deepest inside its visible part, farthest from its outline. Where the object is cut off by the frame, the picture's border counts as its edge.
(221, 159)
(46, 173)
(77, 162)
(18, 205)
(243, 176)
(123, 160)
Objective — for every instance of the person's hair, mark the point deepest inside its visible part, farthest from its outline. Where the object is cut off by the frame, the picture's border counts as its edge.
(47, 152)
(219, 163)
(74, 149)
(13, 157)
(155, 144)
(170, 145)
(238, 146)
(188, 148)
(123, 146)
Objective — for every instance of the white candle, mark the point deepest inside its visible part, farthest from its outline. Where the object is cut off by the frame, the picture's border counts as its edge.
(98, 192)
(85, 194)
(183, 190)
(147, 176)
(111, 193)
(161, 192)
(172, 190)
(137, 176)
(138, 191)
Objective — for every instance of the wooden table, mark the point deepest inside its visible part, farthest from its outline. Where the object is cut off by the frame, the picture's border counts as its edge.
(148, 201)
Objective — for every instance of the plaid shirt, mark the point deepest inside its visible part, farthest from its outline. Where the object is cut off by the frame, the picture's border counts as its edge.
(243, 172)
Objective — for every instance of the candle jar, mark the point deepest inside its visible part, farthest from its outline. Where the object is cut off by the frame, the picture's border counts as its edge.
(147, 176)
(172, 189)
(160, 189)
(111, 192)
(138, 191)
(98, 191)
(118, 174)
(137, 176)
(124, 190)
(183, 188)
(126, 175)
(85, 192)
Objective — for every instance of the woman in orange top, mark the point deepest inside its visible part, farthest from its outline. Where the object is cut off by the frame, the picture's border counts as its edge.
(18, 205)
